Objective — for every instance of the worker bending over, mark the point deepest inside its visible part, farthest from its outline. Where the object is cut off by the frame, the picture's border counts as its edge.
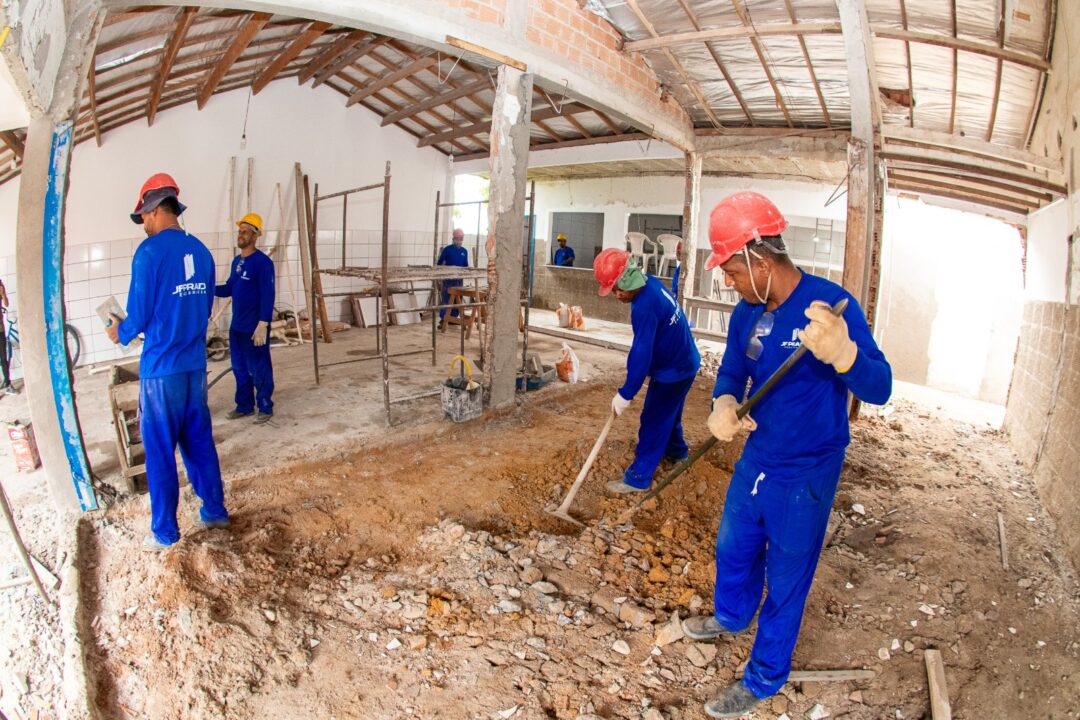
(169, 302)
(663, 351)
(777, 505)
(456, 256)
(251, 287)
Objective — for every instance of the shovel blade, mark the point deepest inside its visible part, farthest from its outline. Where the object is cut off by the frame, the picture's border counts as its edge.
(564, 516)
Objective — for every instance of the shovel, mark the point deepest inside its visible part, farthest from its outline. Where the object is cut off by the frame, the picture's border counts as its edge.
(563, 510)
(741, 412)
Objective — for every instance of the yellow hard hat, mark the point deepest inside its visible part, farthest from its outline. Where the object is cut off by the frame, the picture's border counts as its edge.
(560, 236)
(251, 219)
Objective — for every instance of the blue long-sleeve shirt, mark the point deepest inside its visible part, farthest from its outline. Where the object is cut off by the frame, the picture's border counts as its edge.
(251, 286)
(564, 257)
(803, 420)
(663, 348)
(454, 255)
(169, 302)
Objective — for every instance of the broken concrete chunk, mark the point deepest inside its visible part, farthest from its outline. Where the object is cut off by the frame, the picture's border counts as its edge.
(700, 654)
(670, 632)
(637, 616)
(818, 712)
(621, 647)
(545, 587)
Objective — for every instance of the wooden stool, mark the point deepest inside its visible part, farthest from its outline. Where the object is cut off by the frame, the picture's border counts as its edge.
(467, 315)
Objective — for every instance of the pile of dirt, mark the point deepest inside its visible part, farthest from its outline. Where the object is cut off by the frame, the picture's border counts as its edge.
(423, 579)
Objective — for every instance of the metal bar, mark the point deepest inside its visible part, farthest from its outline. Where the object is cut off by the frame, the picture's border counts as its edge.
(53, 299)
(23, 554)
(435, 290)
(418, 396)
(394, 311)
(403, 353)
(463, 202)
(385, 320)
(528, 291)
(344, 225)
(320, 198)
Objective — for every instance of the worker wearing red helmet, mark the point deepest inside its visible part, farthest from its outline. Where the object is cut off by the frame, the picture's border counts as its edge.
(453, 255)
(663, 351)
(169, 302)
(777, 504)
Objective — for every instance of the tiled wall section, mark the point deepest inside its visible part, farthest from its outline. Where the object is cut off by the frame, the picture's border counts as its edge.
(1044, 402)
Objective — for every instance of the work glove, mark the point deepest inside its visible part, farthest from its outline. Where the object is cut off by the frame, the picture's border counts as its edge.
(827, 337)
(258, 338)
(723, 423)
(618, 404)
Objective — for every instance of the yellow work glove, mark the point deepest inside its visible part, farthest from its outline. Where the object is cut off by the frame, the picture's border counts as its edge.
(827, 337)
(258, 338)
(723, 423)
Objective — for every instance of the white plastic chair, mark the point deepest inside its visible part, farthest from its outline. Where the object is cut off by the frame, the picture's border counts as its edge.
(637, 248)
(670, 244)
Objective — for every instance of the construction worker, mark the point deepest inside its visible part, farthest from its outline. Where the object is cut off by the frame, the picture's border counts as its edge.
(663, 351)
(7, 387)
(169, 302)
(564, 256)
(251, 287)
(777, 505)
(456, 256)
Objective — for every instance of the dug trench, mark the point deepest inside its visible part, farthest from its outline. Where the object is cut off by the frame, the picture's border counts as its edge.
(422, 578)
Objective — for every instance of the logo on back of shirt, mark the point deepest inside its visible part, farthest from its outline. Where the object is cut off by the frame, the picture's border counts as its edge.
(678, 311)
(189, 288)
(794, 342)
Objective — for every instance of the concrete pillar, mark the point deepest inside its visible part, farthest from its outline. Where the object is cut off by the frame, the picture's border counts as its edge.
(39, 268)
(691, 212)
(506, 212)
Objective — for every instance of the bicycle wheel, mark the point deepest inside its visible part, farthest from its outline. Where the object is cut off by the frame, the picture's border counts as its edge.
(74, 344)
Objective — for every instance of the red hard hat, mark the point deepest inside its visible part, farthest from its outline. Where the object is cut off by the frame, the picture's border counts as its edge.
(165, 187)
(608, 268)
(738, 219)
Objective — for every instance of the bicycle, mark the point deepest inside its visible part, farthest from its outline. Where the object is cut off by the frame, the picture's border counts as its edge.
(72, 338)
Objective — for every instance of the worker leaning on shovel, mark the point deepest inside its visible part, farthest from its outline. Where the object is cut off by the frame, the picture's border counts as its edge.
(664, 351)
(777, 505)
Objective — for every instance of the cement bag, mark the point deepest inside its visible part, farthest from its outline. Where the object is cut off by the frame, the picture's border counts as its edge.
(567, 366)
(563, 315)
(577, 319)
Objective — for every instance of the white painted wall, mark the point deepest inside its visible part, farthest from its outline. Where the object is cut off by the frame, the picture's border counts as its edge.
(1048, 253)
(337, 147)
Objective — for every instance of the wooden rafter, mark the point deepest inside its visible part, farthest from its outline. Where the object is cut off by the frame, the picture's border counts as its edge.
(810, 66)
(348, 58)
(981, 199)
(745, 19)
(421, 63)
(548, 131)
(243, 38)
(578, 126)
(484, 126)
(577, 142)
(687, 80)
(984, 168)
(970, 146)
(910, 71)
(733, 33)
(14, 143)
(1036, 105)
(1019, 57)
(91, 91)
(608, 121)
(172, 48)
(427, 90)
(719, 63)
(300, 43)
(435, 101)
(328, 54)
(962, 180)
(997, 82)
(955, 69)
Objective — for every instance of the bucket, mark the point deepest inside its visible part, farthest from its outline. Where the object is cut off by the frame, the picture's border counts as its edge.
(462, 399)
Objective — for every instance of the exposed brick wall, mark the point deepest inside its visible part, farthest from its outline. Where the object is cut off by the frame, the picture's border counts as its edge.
(485, 11)
(563, 29)
(1044, 409)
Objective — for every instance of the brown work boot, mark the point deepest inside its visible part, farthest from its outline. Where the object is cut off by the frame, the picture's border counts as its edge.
(703, 627)
(734, 701)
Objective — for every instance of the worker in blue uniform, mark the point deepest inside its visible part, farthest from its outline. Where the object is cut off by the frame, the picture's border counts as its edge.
(777, 506)
(169, 302)
(453, 255)
(564, 256)
(663, 351)
(251, 287)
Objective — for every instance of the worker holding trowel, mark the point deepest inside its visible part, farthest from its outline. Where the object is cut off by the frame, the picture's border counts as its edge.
(663, 351)
(169, 301)
(251, 287)
(777, 505)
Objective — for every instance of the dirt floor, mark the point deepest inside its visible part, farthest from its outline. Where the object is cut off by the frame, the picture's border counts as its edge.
(418, 576)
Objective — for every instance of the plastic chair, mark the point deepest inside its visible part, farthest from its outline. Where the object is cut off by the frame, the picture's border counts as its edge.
(637, 248)
(670, 244)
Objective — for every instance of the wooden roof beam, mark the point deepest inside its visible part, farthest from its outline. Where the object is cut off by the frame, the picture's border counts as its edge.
(1020, 57)
(14, 143)
(765, 65)
(997, 82)
(384, 81)
(349, 58)
(963, 180)
(484, 126)
(687, 80)
(732, 33)
(91, 91)
(910, 71)
(1018, 208)
(436, 101)
(955, 70)
(810, 67)
(719, 64)
(428, 90)
(608, 121)
(983, 168)
(300, 43)
(172, 48)
(243, 38)
(327, 56)
(931, 139)
(577, 142)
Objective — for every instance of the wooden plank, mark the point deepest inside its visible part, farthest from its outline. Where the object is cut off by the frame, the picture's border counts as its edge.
(164, 70)
(1001, 542)
(997, 81)
(421, 63)
(483, 126)
(809, 67)
(348, 58)
(14, 143)
(732, 33)
(436, 101)
(830, 675)
(969, 146)
(856, 235)
(765, 64)
(932, 185)
(1019, 57)
(910, 71)
(92, 92)
(985, 168)
(302, 235)
(243, 38)
(290, 53)
(940, 709)
(719, 64)
(577, 142)
(913, 187)
(955, 69)
(327, 56)
(486, 52)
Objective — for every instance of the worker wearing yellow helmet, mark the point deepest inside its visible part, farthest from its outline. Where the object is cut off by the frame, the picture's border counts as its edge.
(251, 287)
(564, 256)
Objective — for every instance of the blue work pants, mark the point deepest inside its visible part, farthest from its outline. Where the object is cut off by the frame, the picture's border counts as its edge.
(254, 373)
(173, 410)
(661, 433)
(771, 531)
(445, 296)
